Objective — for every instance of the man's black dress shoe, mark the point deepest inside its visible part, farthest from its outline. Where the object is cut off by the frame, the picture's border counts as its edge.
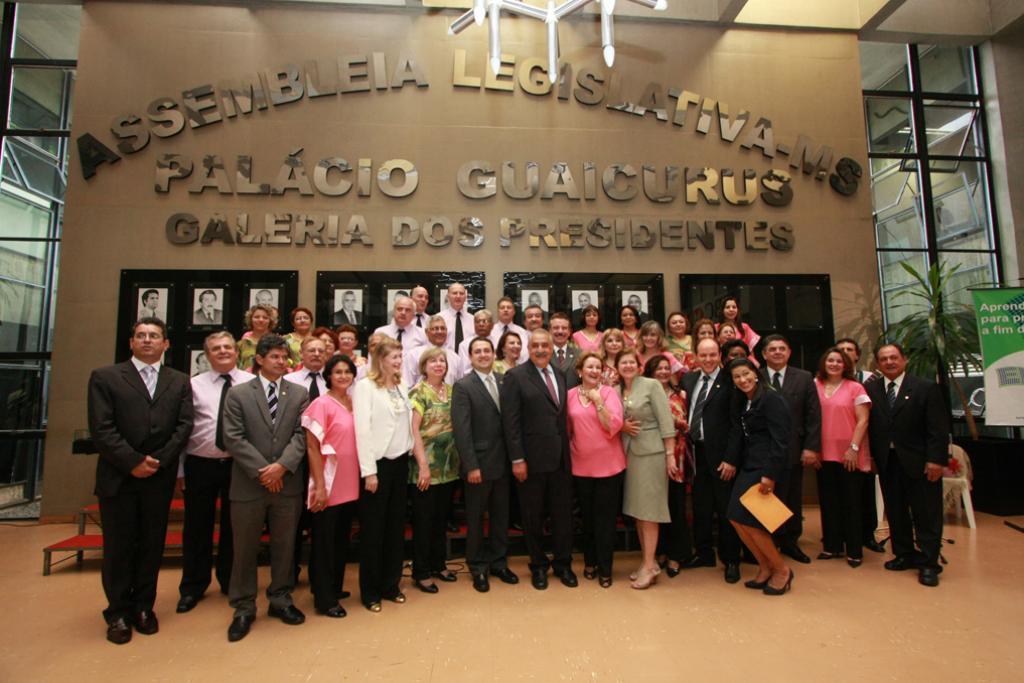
(795, 552)
(672, 572)
(568, 578)
(146, 623)
(336, 612)
(732, 572)
(480, 583)
(698, 561)
(447, 576)
(119, 631)
(186, 603)
(875, 547)
(539, 579)
(290, 615)
(899, 564)
(426, 587)
(928, 576)
(506, 575)
(239, 627)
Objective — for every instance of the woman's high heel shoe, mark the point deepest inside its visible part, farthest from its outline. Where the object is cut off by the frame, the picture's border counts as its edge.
(755, 584)
(590, 573)
(771, 590)
(645, 578)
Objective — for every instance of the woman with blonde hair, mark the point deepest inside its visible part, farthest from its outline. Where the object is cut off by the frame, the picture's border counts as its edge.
(653, 343)
(612, 343)
(384, 442)
(259, 320)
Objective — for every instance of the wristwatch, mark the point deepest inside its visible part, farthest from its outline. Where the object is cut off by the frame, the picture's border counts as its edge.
(855, 448)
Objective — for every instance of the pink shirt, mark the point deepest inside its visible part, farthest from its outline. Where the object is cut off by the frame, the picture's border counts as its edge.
(333, 426)
(595, 452)
(206, 389)
(839, 419)
(587, 346)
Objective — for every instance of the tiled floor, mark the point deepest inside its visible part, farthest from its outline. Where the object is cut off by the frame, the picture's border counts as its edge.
(838, 624)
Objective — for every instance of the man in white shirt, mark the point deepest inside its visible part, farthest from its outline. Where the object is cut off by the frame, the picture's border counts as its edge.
(483, 323)
(314, 356)
(402, 326)
(456, 317)
(206, 468)
(506, 317)
(437, 333)
(421, 296)
(533, 319)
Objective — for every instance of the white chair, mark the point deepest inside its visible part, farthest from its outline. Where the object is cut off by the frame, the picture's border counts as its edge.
(956, 483)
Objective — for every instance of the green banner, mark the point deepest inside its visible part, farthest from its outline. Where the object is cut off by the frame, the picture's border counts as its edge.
(1000, 314)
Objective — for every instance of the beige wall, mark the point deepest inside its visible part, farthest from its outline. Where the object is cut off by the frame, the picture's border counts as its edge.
(806, 83)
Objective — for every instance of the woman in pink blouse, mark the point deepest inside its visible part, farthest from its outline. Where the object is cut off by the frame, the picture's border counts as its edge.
(598, 461)
(730, 313)
(611, 344)
(589, 338)
(845, 408)
(333, 483)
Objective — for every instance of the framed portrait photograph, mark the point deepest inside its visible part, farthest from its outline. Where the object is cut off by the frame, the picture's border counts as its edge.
(639, 297)
(198, 363)
(266, 293)
(579, 297)
(209, 304)
(348, 304)
(533, 294)
(392, 291)
(154, 300)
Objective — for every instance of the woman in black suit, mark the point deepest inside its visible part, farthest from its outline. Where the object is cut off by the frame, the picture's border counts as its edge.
(766, 425)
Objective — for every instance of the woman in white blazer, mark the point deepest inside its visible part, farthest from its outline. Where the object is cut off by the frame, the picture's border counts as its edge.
(383, 418)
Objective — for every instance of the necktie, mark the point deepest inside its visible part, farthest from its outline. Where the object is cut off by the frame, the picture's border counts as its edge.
(400, 333)
(272, 401)
(419, 320)
(551, 385)
(458, 329)
(314, 386)
(890, 394)
(219, 439)
(149, 377)
(492, 389)
(698, 408)
(777, 381)
(561, 357)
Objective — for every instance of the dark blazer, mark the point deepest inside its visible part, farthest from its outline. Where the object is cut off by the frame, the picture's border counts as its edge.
(476, 423)
(254, 442)
(766, 435)
(917, 427)
(341, 319)
(127, 425)
(535, 428)
(805, 411)
(722, 435)
(568, 368)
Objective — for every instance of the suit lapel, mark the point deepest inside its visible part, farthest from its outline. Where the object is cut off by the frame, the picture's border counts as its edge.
(535, 377)
(903, 396)
(481, 389)
(163, 380)
(261, 401)
(132, 376)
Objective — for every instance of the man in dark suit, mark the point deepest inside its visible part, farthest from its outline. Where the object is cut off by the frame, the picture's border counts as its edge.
(347, 314)
(564, 352)
(140, 417)
(716, 437)
(909, 432)
(265, 439)
(476, 422)
(533, 414)
(797, 387)
(207, 313)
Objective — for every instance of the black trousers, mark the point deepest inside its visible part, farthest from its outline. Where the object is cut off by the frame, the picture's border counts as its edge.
(790, 490)
(600, 502)
(429, 528)
(868, 507)
(382, 531)
(134, 530)
(207, 480)
(549, 492)
(674, 537)
(710, 499)
(490, 498)
(839, 494)
(909, 497)
(305, 518)
(328, 552)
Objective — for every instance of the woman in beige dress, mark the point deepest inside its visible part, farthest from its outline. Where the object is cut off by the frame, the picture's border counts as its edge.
(649, 438)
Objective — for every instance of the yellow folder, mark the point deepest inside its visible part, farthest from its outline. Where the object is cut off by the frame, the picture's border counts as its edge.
(767, 508)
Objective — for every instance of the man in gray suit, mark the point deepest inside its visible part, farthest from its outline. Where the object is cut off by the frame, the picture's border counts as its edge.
(797, 386)
(263, 435)
(565, 352)
(480, 440)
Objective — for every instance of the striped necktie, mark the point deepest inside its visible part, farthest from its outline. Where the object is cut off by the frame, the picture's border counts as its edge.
(272, 401)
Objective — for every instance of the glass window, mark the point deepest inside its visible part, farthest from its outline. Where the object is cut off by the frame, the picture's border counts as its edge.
(22, 393)
(889, 125)
(952, 129)
(47, 31)
(883, 66)
(960, 203)
(804, 307)
(896, 195)
(34, 169)
(39, 96)
(896, 282)
(22, 293)
(757, 304)
(976, 270)
(705, 300)
(21, 218)
(948, 69)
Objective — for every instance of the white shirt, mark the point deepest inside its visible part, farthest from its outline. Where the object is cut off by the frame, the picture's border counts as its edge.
(422, 318)
(206, 390)
(449, 315)
(898, 381)
(782, 375)
(301, 377)
(697, 388)
(544, 378)
(524, 337)
(266, 386)
(411, 365)
(412, 336)
(139, 365)
(465, 363)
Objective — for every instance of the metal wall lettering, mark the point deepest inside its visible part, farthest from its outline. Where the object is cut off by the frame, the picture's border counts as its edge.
(570, 233)
(560, 181)
(407, 71)
(217, 230)
(163, 111)
(322, 177)
(589, 180)
(564, 80)
(438, 231)
(309, 228)
(364, 176)
(542, 229)
(652, 101)
(170, 167)
(316, 86)
(729, 129)
(641, 235)
(684, 100)
(292, 176)
(847, 177)
(476, 180)
(239, 97)
(243, 177)
(471, 230)
(182, 228)
(356, 231)
(509, 228)
(508, 180)
(503, 78)
(777, 191)
(599, 233)
(533, 78)
(386, 175)
(817, 165)
(212, 175)
(92, 153)
(278, 228)
(132, 134)
(782, 237)
(380, 71)
(700, 233)
(702, 181)
(729, 191)
(405, 231)
(761, 136)
(242, 234)
(353, 75)
(284, 84)
(707, 113)
(610, 176)
(590, 90)
(756, 236)
(664, 192)
(459, 77)
(728, 230)
(200, 106)
(672, 234)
